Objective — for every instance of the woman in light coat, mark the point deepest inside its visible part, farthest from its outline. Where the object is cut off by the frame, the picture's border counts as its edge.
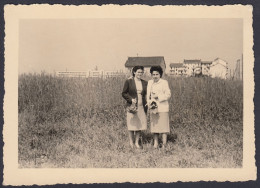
(158, 92)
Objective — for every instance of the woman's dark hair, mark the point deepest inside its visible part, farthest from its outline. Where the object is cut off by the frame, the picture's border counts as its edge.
(158, 69)
(136, 68)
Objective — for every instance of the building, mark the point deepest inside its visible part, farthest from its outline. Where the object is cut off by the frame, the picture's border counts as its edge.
(192, 66)
(146, 62)
(96, 73)
(177, 69)
(218, 69)
(80, 74)
(90, 73)
(72, 74)
(196, 67)
(109, 74)
(205, 65)
(238, 72)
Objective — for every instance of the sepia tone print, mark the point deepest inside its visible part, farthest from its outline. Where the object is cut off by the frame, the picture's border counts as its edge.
(91, 90)
(77, 117)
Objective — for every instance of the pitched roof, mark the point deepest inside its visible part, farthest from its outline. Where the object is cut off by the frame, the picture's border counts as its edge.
(176, 65)
(189, 61)
(206, 62)
(218, 61)
(144, 61)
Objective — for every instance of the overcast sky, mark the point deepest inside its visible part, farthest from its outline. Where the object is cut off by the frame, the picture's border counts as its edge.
(82, 44)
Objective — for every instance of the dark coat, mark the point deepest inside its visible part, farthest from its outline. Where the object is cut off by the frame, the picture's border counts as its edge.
(130, 92)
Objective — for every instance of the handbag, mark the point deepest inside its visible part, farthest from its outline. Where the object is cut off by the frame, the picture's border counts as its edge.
(132, 108)
(153, 107)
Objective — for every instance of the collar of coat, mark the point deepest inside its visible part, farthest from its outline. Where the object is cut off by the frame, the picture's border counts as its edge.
(157, 82)
(133, 78)
(133, 81)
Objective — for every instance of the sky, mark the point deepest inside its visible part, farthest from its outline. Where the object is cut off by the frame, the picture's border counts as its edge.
(82, 44)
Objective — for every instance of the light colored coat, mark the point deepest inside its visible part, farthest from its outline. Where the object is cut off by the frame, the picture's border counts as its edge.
(161, 88)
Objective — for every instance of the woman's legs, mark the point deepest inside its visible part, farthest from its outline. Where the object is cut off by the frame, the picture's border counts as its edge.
(135, 134)
(155, 138)
(137, 137)
(131, 138)
(164, 138)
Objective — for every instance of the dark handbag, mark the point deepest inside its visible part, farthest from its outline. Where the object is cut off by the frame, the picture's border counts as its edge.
(153, 107)
(132, 108)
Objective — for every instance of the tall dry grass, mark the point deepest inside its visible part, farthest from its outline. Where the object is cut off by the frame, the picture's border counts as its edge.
(80, 122)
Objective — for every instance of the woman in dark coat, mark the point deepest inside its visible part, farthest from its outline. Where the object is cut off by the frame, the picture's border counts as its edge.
(134, 92)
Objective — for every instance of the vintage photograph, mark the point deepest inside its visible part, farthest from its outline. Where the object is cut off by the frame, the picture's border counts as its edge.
(131, 92)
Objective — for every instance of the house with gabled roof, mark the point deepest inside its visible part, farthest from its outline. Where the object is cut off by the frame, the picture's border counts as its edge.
(146, 62)
(218, 69)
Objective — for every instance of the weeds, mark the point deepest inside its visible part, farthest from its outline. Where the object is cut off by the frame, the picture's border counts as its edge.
(80, 122)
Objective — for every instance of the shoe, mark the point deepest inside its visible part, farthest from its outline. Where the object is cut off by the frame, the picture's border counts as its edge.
(163, 146)
(138, 146)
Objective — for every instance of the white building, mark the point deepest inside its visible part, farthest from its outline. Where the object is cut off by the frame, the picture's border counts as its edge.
(205, 65)
(193, 67)
(96, 73)
(109, 74)
(218, 69)
(177, 69)
(89, 73)
(72, 74)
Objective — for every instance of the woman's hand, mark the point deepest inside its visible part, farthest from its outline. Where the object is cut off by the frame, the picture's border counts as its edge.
(155, 96)
(134, 101)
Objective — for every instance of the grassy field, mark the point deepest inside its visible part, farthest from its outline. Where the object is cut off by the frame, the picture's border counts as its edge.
(80, 123)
